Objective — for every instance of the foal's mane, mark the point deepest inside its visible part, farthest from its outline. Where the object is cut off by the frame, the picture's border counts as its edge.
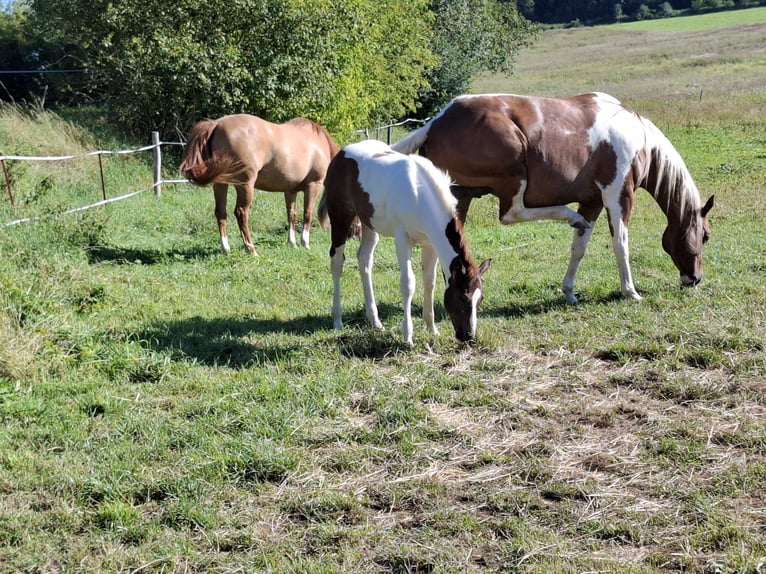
(674, 189)
(440, 180)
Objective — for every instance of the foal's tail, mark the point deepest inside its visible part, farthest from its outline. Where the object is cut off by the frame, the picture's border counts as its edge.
(354, 230)
(324, 217)
(413, 141)
(199, 165)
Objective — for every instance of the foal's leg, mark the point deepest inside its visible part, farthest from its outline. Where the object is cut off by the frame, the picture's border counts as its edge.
(406, 280)
(242, 211)
(336, 266)
(580, 239)
(365, 255)
(219, 193)
(313, 190)
(290, 198)
(430, 260)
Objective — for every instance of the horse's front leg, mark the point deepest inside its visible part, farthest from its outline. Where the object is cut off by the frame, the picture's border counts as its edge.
(244, 199)
(290, 198)
(365, 256)
(619, 228)
(313, 190)
(219, 193)
(580, 239)
(430, 260)
(406, 281)
(336, 266)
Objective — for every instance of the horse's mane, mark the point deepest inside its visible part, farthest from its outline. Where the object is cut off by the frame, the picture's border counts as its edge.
(673, 186)
(320, 131)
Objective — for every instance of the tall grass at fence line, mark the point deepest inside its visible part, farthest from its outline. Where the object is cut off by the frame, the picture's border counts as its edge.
(44, 188)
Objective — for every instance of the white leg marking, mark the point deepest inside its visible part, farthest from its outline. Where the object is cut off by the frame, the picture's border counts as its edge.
(291, 236)
(518, 212)
(365, 255)
(305, 237)
(225, 247)
(406, 281)
(580, 239)
(622, 253)
(474, 311)
(430, 261)
(336, 265)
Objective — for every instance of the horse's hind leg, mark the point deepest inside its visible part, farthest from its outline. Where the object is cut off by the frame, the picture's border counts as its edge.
(313, 190)
(290, 198)
(580, 239)
(242, 211)
(220, 192)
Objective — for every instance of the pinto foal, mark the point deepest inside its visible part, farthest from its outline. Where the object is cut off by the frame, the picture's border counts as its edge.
(407, 198)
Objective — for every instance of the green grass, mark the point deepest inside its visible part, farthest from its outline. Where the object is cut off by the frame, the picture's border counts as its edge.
(164, 408)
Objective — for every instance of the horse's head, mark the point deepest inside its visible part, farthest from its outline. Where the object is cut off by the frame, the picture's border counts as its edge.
(463, 296)
(684, 243)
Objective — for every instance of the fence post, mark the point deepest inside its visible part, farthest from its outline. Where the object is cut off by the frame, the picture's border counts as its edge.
(8, 185)
(157, 164)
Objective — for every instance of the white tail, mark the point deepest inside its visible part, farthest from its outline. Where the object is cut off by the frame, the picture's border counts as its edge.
(412, 142)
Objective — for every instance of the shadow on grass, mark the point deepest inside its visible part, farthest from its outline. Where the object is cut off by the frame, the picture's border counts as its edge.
(235, 342)
(128, 256)
(546, 305)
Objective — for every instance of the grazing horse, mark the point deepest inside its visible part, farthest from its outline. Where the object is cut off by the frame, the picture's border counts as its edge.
(248, 152)
(539, 154)
(408, 198)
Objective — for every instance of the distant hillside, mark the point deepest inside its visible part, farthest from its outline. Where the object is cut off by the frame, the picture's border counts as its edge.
(589, 12)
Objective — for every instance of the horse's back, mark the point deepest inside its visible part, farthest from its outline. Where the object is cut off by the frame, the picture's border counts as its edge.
(281, 157)
(391, 189)
(557, 146)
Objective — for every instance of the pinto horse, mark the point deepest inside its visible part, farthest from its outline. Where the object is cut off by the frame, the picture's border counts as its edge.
(408, 198)
(248, 152)
(539, 154)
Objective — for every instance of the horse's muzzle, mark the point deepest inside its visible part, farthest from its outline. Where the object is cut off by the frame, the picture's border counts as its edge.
(690, 280)
(464, 336)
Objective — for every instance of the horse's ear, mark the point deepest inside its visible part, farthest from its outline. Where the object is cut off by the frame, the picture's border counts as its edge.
(708, 206)
(456, 269)
(484, 266)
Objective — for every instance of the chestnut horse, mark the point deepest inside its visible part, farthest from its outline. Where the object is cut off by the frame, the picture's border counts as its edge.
(248, 153)
(539, 154)
(408, 198)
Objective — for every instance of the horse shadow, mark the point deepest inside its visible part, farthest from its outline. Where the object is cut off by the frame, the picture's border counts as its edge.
(547, 305)
(230, 342)
(129, 256)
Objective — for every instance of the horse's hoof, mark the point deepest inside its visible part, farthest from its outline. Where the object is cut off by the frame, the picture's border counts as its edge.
(582, 225)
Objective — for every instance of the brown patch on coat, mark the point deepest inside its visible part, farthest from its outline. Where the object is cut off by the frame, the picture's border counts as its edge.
(344, 200)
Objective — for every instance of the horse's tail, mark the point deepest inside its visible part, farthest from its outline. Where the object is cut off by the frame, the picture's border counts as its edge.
(354, 230)
(198, 163)
(413, 141)
(322, 214)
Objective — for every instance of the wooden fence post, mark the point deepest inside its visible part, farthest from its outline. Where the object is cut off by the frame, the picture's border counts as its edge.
(157, 164)
(8, 185)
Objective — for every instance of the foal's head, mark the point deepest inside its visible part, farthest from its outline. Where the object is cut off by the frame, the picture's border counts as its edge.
(684, 243)
(463, 296)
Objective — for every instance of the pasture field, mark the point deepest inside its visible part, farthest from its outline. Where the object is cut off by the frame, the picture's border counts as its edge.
(164, 408)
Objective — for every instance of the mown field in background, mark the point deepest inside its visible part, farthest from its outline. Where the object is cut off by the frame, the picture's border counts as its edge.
(164, 408)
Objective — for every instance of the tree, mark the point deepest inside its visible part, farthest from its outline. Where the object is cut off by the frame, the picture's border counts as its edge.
(162, 65)
(469, 37)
